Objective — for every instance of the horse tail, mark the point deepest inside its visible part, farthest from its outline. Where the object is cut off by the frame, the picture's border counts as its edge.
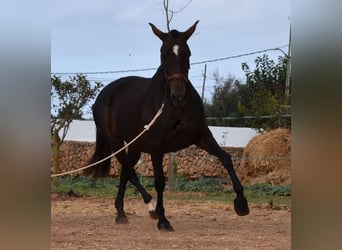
(102, 150)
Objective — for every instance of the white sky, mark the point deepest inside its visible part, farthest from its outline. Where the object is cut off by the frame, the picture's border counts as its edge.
(105, 35)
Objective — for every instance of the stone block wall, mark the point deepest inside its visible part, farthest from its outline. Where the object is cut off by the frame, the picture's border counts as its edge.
(191, 162)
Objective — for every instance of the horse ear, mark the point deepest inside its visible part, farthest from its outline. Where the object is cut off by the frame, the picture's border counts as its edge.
(157, 32)
(191, 30)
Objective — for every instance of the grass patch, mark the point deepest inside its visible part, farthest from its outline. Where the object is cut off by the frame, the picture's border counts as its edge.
(85, 186)
(184, 189)
(202, 184)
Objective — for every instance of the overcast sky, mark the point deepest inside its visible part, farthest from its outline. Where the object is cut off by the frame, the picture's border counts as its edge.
(107, 35)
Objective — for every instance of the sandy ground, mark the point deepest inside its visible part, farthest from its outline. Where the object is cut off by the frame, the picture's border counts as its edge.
(89, 223)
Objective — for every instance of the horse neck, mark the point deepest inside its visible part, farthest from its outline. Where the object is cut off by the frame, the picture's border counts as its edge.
(159, 75)
(158, 82)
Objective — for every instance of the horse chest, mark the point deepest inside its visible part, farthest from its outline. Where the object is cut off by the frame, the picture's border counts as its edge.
(179, 136)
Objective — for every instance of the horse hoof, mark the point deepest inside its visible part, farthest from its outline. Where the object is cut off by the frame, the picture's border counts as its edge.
(241, 206)
(153, 215)
(165, 227)
(121, 220)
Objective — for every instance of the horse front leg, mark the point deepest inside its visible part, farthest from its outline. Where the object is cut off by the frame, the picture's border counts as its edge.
(240, 202)
(209, 144)
(159, 183)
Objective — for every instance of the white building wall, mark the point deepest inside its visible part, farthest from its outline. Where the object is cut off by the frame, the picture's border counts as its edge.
(225, 136)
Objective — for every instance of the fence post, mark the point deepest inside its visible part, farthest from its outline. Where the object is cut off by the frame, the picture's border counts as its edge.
(204, 78)
(169, 180)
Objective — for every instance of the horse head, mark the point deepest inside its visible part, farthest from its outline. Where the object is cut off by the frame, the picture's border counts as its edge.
(175, 54)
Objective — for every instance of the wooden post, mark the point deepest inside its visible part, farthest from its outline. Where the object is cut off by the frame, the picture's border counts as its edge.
(204, 77)
(170, 172)
(288, 69)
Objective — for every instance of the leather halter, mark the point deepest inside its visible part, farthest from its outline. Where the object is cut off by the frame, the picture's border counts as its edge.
(176, 76)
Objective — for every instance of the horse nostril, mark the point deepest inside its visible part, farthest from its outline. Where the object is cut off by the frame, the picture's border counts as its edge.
(176, 99)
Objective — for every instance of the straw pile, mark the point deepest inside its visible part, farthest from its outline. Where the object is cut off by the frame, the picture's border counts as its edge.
(267, 158)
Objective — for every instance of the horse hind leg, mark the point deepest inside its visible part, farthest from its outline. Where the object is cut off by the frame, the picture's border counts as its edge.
(128, 174)
(133, 157)
(121, 217)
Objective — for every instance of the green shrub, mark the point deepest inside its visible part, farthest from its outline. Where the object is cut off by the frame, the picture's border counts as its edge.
(202, 184)
(267, 189)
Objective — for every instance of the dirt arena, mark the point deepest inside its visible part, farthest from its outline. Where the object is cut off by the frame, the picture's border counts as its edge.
(89, 223)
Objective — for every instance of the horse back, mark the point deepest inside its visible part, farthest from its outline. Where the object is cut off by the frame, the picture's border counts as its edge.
(117, 109)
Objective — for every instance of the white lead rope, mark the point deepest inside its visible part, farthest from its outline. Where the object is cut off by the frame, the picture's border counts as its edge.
(146, 127)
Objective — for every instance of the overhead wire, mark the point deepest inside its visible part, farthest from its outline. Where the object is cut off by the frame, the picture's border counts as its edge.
(194, 63)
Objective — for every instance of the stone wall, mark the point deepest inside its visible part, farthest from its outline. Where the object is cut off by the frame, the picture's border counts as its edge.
(191, 162)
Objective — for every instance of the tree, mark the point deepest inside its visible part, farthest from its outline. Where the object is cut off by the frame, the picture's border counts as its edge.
(267, 74)
(260, 102)
(265, 94)
(68, 98)
(169, 13)
(224, 102)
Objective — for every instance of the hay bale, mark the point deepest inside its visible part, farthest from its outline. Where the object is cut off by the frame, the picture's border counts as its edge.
(267, 158)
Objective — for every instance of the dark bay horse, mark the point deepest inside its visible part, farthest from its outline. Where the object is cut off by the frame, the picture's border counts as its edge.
(123, 108)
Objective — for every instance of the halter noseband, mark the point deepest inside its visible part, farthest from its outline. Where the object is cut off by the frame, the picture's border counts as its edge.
(176, 76)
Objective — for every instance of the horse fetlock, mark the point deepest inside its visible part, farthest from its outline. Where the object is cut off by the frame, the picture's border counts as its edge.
(153, 215)
(152, 209)
(151, 205)
(147, 198)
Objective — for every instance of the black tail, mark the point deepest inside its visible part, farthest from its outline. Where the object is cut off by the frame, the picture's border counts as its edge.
(102, 150)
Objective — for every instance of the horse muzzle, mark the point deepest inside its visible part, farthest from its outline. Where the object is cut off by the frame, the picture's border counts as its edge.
(177, 84)
(177, 100)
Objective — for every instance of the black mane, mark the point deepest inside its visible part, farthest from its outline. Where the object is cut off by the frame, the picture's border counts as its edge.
(175, 34)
